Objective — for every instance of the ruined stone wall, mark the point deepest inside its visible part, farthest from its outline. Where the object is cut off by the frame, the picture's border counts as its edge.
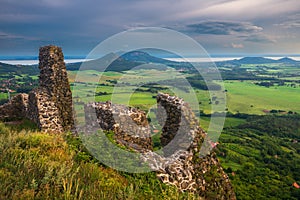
(50, 105)
(182, 139)
(182, 165)
(43, 111)
(16, 108)
(178, 121)
(54, 78)
(130, 125)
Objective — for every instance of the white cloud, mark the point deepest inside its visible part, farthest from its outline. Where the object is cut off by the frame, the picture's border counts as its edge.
(237, 46)
(243, 9)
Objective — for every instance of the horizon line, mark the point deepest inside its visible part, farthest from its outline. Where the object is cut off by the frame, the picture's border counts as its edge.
(69, 57)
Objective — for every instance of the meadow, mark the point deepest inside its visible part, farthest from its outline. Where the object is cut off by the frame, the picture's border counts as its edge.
(241, 96)
(246, 97)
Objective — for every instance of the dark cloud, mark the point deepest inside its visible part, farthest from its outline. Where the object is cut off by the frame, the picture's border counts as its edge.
(222, 28)
(78, 25)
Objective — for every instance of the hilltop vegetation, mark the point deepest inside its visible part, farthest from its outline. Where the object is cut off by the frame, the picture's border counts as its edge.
(35, 165)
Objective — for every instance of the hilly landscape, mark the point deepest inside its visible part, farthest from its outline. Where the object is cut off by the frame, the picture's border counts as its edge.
(259, 146)
(158, 100)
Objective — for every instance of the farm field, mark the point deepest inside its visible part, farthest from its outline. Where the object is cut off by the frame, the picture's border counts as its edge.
(242, 96)
(246, 97)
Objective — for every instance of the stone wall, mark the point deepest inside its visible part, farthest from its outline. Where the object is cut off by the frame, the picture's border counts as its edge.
(43, 111)
(181, 164)
(54, 78)
(182, 139)
(50, 105)
(130, 125)
(178, 121)
(15, 108)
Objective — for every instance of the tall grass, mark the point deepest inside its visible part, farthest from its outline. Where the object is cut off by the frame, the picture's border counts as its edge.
(35, 165)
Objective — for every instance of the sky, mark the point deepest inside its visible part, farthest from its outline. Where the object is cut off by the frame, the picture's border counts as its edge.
(222, 27)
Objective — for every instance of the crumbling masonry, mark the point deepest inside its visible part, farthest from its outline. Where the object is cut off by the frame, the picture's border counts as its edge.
(130, 125)
(181, 138)
(50, 105)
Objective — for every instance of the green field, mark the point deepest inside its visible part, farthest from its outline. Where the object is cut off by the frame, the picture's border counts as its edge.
(246, 97)
(242, 96)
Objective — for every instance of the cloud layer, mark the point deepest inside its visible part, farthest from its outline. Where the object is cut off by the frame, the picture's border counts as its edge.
(223, 28)
(77, 26)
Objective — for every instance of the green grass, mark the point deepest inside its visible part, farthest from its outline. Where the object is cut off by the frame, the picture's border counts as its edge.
(34, 77)
(92, 76)
(243, 150)
(3, 95)
(262, 157)
(295, 78)
(229, 122)
(232, 122)
(229, 164)
(246, 97)
(35, 165)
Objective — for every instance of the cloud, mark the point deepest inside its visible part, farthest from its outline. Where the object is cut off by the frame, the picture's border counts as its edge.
(259, 38)
(244, 9)
(76, 24)
(4, 36)
(291, 22)
(237, 46)
(221, 28)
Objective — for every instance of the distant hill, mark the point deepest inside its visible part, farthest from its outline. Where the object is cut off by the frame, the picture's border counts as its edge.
(143, 57)
(259, 60)
(287, 60)
(127, 61)
(256, 60)
(111, 62)
(18, 69)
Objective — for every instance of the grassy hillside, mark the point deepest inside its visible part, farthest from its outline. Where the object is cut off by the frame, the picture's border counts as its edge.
(35, 165)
